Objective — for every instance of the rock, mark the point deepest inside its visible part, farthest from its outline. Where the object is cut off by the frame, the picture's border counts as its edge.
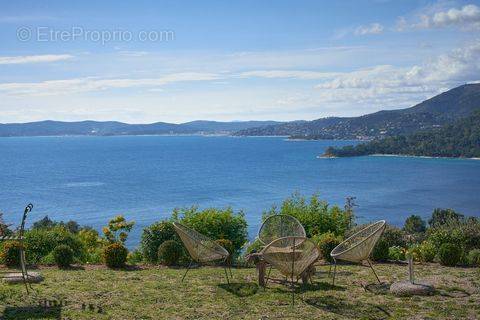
(405, 288)
(16, 277)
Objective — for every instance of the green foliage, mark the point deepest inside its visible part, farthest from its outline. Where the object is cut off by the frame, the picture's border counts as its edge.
(394, 236)
(4, 229)
(414, 224)
(316, 216)
(135, 257)
(63, 256)
(327, 242)
(153, 236)
(11, 254)
(254, 246)
(40, 242)
(215, 223)
(170, 252)
(381, 250)
(456, 140)
(442, 217)
(47, 223)
(427, 251)
(413, 251)
(115, 255)
(450, 254)
(473, 258)
(90, 239)
(396, 253)
(117, 229)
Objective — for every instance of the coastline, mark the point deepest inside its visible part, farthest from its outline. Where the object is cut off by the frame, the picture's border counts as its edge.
(398, 156)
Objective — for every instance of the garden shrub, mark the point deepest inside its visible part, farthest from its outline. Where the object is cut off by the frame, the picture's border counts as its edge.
(316, 216)
(413, 251)
(153, 236)
(63, 256)
(115, 255)
(380, 251)
(40, 242)
(215, 224)
(444, 216)
(169, 252)
(117, 229)
(326, 242)
(414, 224)
(427, 251)
(11, 254)
(473, 258)
(396, 253)
(135, 257)
(450, 254)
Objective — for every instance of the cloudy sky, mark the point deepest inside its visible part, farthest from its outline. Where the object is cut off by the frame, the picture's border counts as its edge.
(176, 61)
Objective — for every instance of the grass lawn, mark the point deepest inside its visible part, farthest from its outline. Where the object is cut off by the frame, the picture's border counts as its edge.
(157, 293)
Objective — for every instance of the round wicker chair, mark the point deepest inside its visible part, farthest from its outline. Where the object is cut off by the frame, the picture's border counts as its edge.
(279, 226)
(357, 248)
(291, 256)
(201, 248)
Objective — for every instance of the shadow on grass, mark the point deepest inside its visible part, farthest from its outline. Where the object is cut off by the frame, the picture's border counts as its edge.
(240, 289)
(300, 287)
(351, 310)
(32, 312)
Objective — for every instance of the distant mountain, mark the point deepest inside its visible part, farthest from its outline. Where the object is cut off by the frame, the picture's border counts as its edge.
(109, 128)
(461, 139)
(435, 112)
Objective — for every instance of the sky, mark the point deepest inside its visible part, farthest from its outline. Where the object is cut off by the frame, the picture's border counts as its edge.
(177, 61)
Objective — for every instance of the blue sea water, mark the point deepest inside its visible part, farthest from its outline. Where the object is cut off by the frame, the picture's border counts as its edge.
(92, 179)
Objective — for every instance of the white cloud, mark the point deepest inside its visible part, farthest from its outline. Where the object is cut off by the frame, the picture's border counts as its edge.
(466, 18)
(458, 66)
(373, 28)
(294, 74)
(69, 86)
(35, 59)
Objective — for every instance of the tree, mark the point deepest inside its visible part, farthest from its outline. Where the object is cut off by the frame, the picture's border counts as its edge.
(443, 216)
(44, 223)
(117, 229)
(414, 224)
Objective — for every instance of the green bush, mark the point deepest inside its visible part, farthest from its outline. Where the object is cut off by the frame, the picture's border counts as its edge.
(216, 224)
(153, 236)
(63, 256)
(396, 253)
(135, 257)
(170, 252)
(381, 250)
(316, 216)
(414, 224)
(40, 242)
(115, 255)
(326, 242)
(427, 251)
(11, 254)
(473, 258)
(450, 254)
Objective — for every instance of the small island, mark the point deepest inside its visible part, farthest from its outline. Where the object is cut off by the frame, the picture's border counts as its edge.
(458, 140)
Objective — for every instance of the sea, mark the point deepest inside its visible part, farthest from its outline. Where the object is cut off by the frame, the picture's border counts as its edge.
(92, 179)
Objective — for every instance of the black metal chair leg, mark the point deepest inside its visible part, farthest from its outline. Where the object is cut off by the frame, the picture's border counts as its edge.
(226, 274)
(371, 267)
(188, 268)
(268, 277)
(334, 271)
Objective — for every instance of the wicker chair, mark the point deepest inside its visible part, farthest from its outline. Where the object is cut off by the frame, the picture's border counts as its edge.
(18, 236)
(291, 256)
(201, 248)
(279, 226)
(358, 247)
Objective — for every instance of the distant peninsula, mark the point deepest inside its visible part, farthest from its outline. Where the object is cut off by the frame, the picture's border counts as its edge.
(459, 140)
